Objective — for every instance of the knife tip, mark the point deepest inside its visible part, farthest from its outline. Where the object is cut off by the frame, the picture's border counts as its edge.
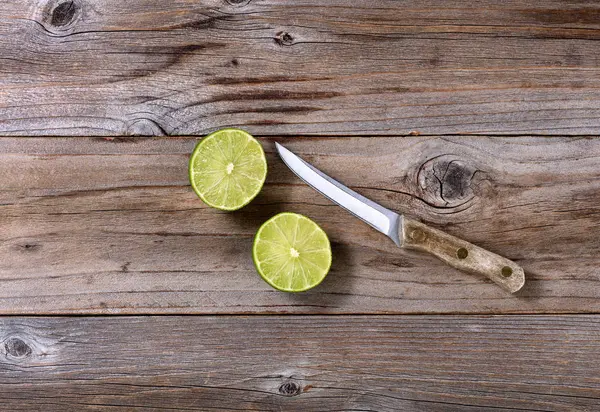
(279, 147)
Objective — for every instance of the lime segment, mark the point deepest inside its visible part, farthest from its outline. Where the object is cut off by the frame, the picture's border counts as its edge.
(291, 252)
(228, 169)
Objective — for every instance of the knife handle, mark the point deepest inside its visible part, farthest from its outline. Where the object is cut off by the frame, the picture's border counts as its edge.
(462, 255)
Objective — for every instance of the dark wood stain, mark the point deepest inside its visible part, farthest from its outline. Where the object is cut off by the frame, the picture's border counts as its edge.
(172, 57)
(238, 81)
(121, 139)
(211, 22)
(393, 89)
(266, 122)
(276, 109)
(272, 94)
(588, 15)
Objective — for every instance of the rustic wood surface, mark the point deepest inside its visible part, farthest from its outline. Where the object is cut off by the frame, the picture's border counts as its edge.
(476, 117)
(297, 363)
(112, 226)
(112, 67)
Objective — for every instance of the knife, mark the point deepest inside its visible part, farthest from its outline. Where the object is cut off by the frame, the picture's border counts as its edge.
(409, 233)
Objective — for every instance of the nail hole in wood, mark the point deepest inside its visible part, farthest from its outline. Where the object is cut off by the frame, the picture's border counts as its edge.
(462, 253)
(31, 247)
(507, 271)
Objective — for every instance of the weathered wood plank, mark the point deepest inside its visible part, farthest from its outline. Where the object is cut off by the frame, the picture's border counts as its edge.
(295, 363)
(108, 67)
(90, 225)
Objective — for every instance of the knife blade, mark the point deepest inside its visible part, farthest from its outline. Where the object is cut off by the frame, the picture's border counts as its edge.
(406, 232)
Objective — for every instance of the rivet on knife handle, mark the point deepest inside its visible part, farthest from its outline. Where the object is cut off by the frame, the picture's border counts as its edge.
(461, 254)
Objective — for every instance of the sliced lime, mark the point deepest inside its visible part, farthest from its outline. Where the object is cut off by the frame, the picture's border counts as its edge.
(291, 252)
(227, 169)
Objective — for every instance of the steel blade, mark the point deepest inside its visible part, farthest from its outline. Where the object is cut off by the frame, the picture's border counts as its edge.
(382, 219)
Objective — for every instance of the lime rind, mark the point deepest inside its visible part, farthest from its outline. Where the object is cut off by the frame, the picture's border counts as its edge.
(291, 252)
(227, 169)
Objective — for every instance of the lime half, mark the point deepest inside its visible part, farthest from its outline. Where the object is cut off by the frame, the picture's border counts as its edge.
(291, 252)
(227, 169)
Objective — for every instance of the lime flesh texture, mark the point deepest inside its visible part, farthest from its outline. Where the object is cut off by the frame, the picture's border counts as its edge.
(291, 252)
(228, 169)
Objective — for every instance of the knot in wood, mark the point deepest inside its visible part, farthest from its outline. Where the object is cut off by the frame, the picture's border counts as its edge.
(446, 181)
(237, 3)
(59, 16)
(145, 127)
(63, 13)
(290, 388)
(17, 348)
(283, 38)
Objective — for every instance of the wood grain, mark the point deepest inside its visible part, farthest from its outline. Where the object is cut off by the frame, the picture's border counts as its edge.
(296, 363)
(150, 67)
(95, 225)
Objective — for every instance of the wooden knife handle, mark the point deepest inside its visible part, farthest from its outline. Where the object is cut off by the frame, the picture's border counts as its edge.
(462, 255)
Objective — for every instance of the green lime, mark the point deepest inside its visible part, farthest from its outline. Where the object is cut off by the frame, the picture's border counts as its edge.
(227, 169)
(291, 252)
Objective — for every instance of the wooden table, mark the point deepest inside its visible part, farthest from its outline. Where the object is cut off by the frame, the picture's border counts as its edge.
(121, 290)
